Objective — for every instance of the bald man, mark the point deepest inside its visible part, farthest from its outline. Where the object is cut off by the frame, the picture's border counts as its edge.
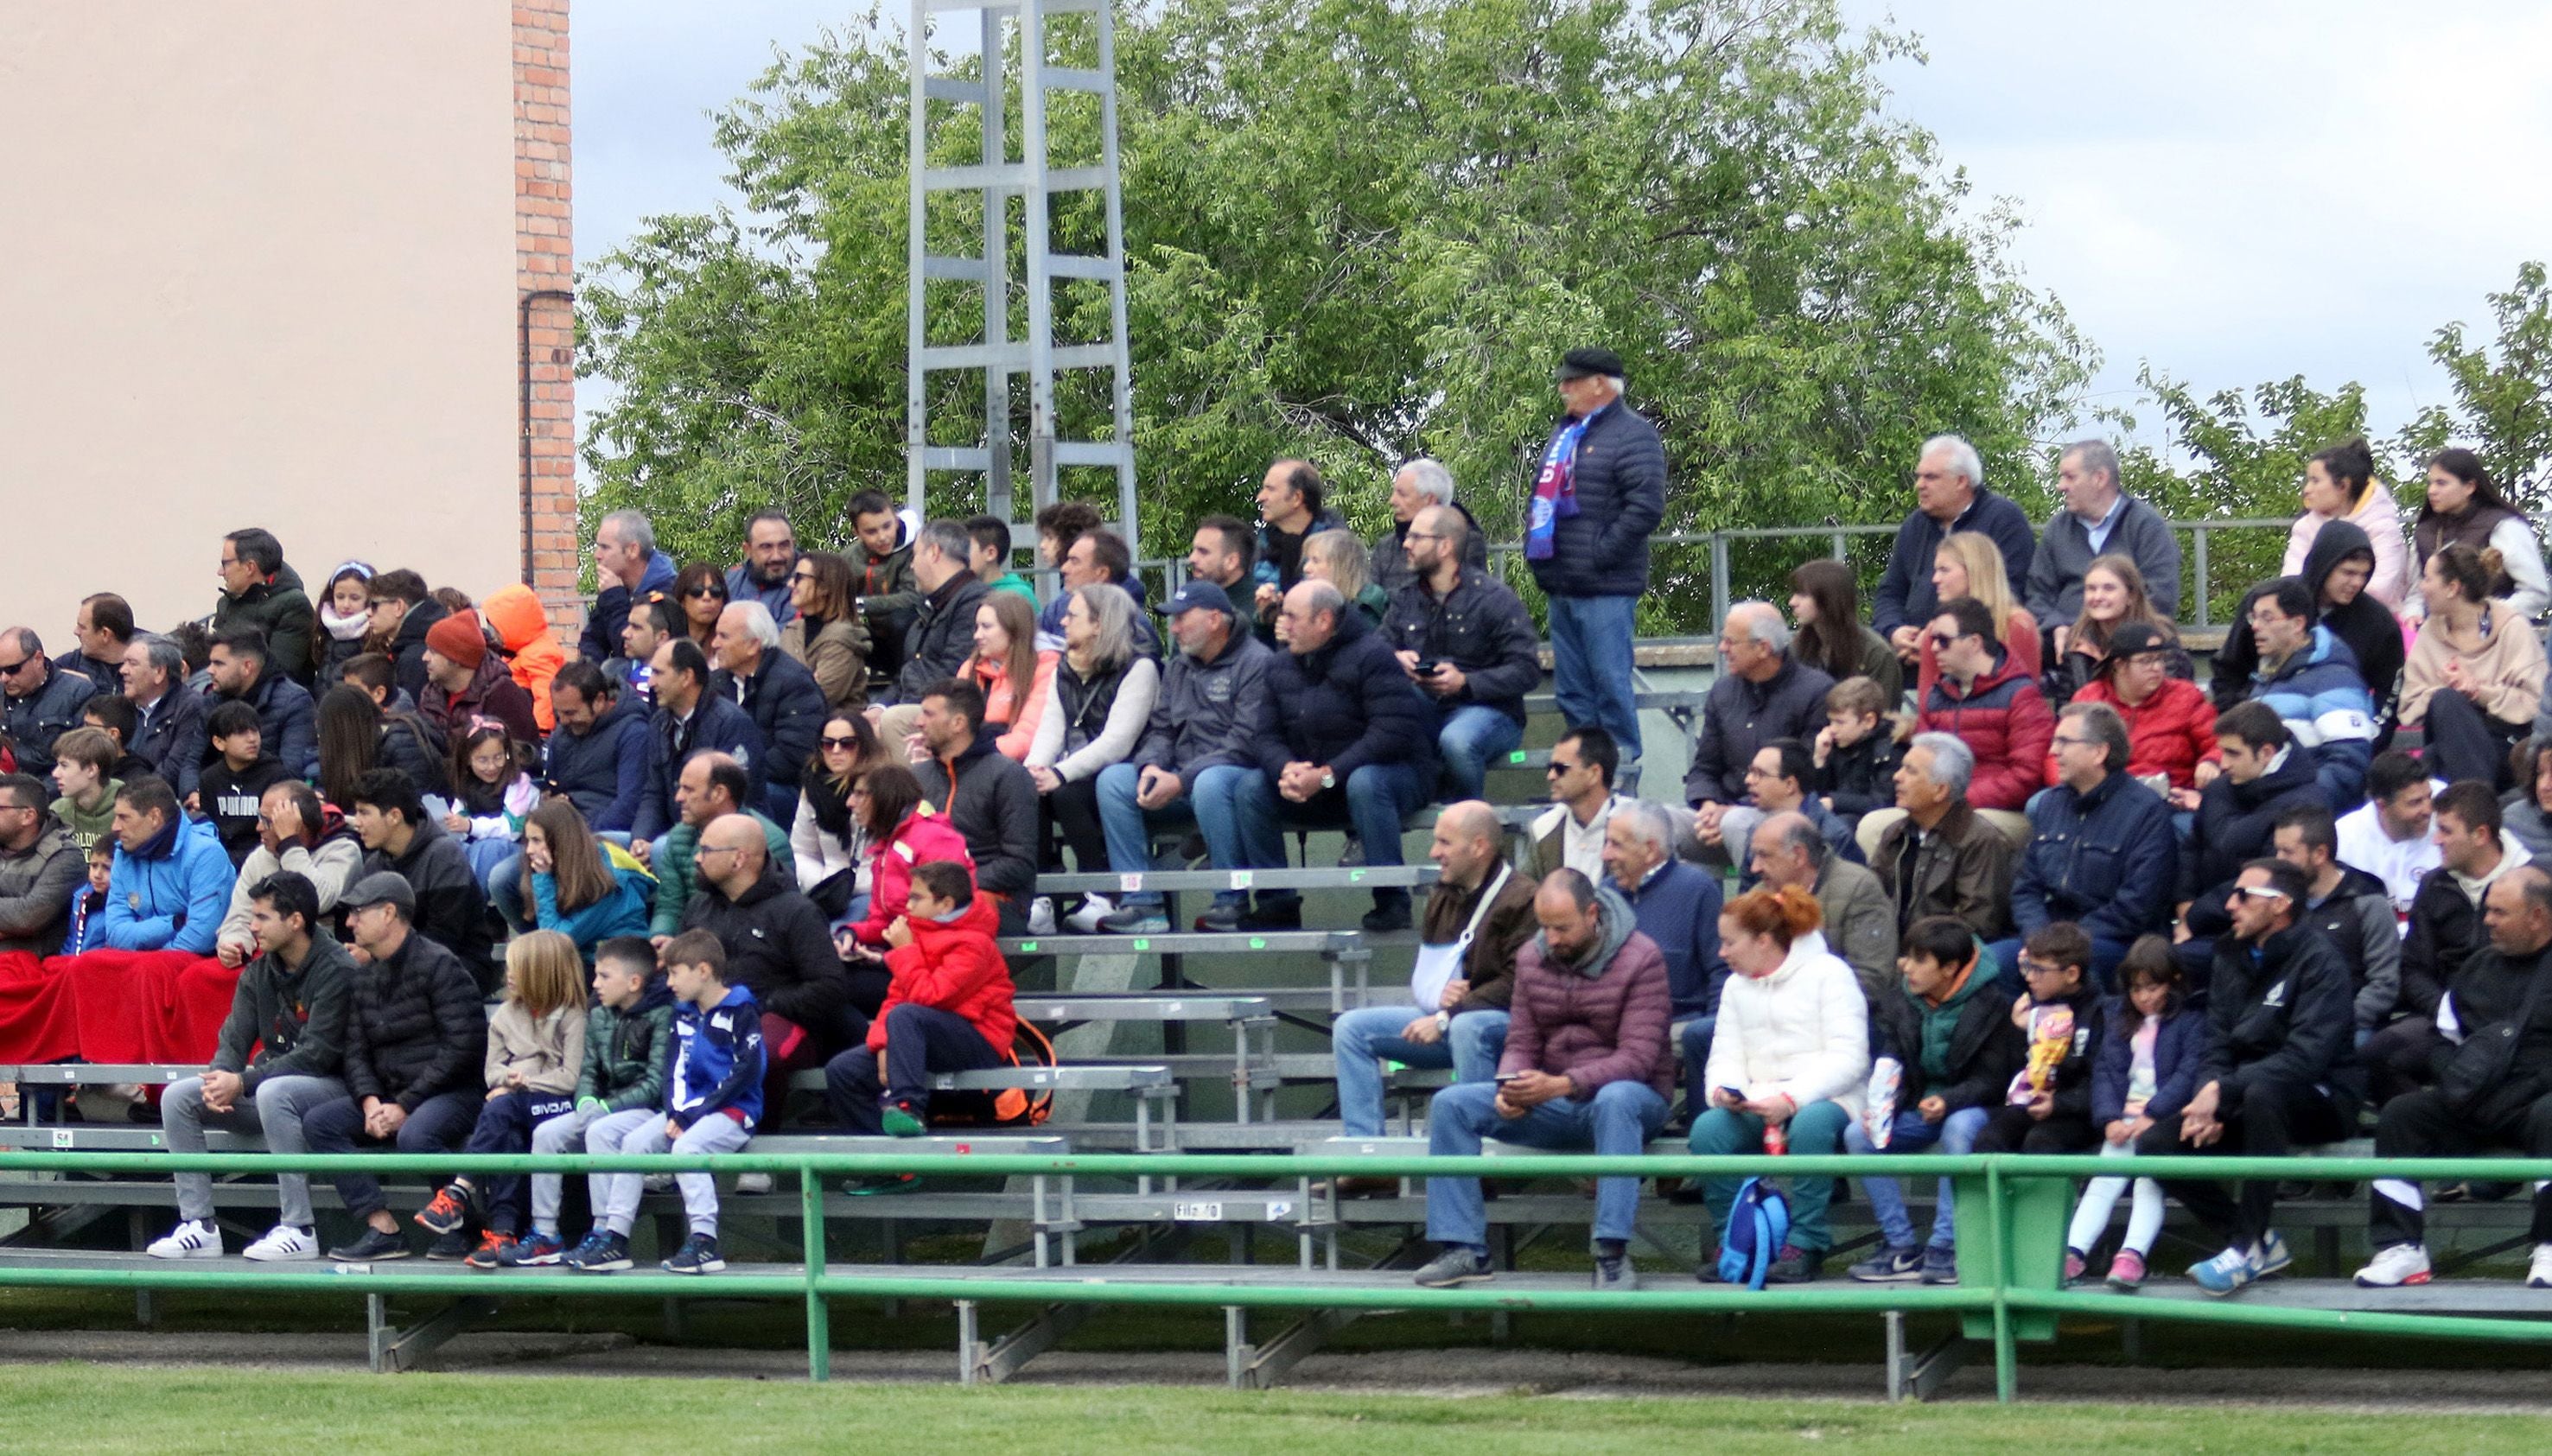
(776, 946)
(1466, 639)
(1477, 917)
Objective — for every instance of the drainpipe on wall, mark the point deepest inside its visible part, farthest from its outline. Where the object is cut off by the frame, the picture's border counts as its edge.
(523, 332)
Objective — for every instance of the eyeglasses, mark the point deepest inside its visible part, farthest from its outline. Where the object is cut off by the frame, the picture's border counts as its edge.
(838, 742)
(716, 849)
(2031, 966)
(2061, 741)
(2262, 891)
(802, 576)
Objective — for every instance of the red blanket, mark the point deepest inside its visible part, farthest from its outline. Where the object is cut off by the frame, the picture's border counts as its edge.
(38, 1023)
(146, 1006)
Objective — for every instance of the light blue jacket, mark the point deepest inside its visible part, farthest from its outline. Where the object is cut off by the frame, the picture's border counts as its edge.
(169, 897)
(625, 911)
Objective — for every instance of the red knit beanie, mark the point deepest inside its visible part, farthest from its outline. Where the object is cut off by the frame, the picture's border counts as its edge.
(457, 636)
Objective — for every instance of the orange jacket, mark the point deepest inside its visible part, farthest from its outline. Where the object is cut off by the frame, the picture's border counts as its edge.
(523, 625)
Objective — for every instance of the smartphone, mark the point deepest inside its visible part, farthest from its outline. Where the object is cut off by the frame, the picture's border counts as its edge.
(1734, 1095)
(1506, 1077)
(1426, 666)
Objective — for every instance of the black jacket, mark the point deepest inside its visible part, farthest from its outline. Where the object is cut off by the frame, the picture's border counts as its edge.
(1481, 627)
(1345, 705)
(416, 1027)
(2098, 859)
(2236, 823)
(2487, 994)
(288, 725)
(992, 802)
(603, 770)
(294, 1020)
(941, 637)
(1740, 716)
(33, 722)
(2284, 1015)
(1861, 776)
(407, 649)
(789, 709)
(2073, 1084)
(1387, 560)
(1620, 481)
(2367, 627)
(1905, 597)
(451, 908)
(1985, 1049)
(172, 738)
(776, 947)
(2444, 931)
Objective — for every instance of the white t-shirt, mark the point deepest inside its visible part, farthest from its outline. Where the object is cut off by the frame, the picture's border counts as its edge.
(2400, 863)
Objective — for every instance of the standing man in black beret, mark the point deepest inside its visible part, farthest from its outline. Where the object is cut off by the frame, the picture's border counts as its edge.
(1600, 491)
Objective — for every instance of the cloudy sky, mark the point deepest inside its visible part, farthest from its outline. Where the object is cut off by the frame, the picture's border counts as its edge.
(2234, 190)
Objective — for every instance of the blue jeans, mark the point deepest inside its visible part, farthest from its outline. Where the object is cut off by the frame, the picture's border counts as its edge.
(1590, 665)
(1366, 1036)
(505, 1125)
(1473, 736)
(1206, 803)
(1619, 1119)
(1694, 1042)
(1374, 800)
(1956, 1133)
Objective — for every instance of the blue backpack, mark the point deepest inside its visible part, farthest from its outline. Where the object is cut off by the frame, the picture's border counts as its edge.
(1757, 1226)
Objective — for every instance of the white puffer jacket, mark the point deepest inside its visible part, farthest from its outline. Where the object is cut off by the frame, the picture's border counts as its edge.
(1801, 1032)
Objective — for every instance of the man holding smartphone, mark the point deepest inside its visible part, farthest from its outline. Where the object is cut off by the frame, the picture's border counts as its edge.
(1467, 642)
(1585, 1068)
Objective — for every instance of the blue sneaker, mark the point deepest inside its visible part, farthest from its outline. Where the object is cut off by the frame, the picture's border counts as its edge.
(603, 1252)
(534, 1250)
(698, 1255)
(2271, 1256)
(2225, 1273)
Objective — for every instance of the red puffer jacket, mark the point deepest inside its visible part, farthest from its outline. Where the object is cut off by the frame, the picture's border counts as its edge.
(923, 836)
(2171, 732)
(954, 968)
(2005, 721)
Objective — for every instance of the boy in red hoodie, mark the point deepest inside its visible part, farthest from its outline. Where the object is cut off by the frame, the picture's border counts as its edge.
(947, 1010)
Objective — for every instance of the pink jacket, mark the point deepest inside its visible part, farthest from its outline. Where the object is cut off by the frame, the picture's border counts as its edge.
(923, 836)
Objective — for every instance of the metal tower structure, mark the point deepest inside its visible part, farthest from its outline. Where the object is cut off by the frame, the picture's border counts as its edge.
(1034, 178)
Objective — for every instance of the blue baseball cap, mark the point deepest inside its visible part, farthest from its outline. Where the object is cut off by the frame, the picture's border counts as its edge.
(1202, 594)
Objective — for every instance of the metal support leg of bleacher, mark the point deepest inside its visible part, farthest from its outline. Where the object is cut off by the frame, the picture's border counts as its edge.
(981, 1364)
(1261, 1367)
(394, 1350)
(1920, 1376)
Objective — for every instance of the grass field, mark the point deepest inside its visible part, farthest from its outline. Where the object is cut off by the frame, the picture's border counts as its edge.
(76, 1409)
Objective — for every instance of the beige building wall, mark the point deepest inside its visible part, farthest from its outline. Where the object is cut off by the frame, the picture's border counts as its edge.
(257, 267)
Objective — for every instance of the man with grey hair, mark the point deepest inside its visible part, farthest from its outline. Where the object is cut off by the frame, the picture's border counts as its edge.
(942, 634)
(1859, 924)
(1761, 693)
(776, 692)
(1598, 494)
(626, 566)
(1950, 495)
(173, 713)
(1677, 905)
(2100, 848)
(2098, 518)
(1934, 854)
(1415, 487)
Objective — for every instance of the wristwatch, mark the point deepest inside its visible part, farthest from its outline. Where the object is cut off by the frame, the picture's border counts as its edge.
(1443, 1020)
(1328, 780)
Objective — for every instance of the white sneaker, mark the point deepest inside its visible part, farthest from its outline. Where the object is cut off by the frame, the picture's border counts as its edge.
(283, 1244)
(194, 1239)
(2402, 1264)
(1041, 915)
(1094, 908)
(2539, 1277)
(753, 1183)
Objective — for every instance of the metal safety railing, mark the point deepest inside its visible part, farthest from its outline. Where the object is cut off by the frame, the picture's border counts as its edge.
(2196, 590)
(2012, 1212)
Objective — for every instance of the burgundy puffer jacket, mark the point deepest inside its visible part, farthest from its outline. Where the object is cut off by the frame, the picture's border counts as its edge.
(1611, 1027)
(2006, 722)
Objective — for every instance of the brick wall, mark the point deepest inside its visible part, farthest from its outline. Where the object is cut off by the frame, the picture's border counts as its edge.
(545, 259)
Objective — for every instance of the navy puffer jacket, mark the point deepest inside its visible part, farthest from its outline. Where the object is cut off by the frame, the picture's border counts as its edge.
(1620, 481)
(1346, 704)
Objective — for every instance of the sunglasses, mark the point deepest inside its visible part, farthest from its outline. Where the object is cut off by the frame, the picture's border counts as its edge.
(12, 670)
(838, 742)
(1942, 640)
(1556, 768)
(705, 591)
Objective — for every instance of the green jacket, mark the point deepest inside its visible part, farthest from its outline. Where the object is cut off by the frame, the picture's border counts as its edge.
(88, 829)
(670, 860)
(1014, 581)
(625, 1052)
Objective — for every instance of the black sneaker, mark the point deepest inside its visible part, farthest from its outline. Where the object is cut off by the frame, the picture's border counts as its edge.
(371, 1247)
(698, 1255)
(1275, 912)
(1222, 915)
(452, 1247)
(1795, 1266)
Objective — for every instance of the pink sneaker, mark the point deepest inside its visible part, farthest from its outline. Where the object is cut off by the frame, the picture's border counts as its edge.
(2074, 1264)
(2126, 1272)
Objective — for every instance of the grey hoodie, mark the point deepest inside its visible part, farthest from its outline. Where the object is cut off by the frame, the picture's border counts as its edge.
(1617, 921)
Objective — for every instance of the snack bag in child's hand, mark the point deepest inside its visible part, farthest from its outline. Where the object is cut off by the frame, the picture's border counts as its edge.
(2051, 1036)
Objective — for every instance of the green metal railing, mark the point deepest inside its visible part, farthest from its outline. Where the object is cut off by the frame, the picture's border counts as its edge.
(2011, 1216)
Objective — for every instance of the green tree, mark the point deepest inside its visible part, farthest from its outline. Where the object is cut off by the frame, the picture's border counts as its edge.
(2502, 394)
(1358, 232)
